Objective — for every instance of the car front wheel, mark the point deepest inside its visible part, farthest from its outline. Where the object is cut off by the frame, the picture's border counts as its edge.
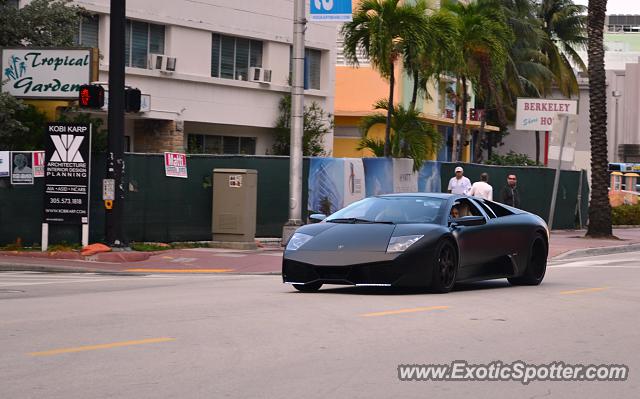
(445, 267)
(312, 287)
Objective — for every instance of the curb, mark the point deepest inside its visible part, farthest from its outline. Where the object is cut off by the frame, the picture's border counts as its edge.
(581, 253)
(13, 267)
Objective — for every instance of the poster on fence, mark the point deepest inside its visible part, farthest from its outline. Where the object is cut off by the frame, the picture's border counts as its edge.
(378, 176)
(21, 168)
(175, 164)
(335, 183)
(429, 178)
(405, 180)
(5, 171)
(38, 164)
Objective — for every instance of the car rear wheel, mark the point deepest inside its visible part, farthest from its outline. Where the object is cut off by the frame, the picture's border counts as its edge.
(536, 264)
(312, 287)
(445, 267)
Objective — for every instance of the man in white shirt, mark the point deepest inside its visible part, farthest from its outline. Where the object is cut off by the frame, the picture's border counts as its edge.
(482, 189)
(459, 184)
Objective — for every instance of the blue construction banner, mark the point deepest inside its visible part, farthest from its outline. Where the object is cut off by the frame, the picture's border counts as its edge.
(330, 10)
(335, 183)
(378, 176)
(429, 178)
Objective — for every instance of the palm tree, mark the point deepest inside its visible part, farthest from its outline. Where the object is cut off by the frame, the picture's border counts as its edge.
(483, 41)
(411, 136)
(564, 25)
(599, 207)
(384, 30)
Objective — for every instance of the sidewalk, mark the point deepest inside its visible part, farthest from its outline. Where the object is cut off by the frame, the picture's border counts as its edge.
(268, 260)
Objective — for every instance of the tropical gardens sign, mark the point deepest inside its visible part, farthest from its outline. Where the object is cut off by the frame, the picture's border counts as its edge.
(45, 73)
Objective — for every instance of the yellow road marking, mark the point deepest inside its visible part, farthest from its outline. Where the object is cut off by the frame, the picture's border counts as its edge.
(101, 346)
(167, 257)
(401, 311)
(583, 290)
(180, 270)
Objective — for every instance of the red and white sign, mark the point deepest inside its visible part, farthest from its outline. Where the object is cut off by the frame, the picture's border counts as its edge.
(175, 164)
(538, 113)
(38, 164)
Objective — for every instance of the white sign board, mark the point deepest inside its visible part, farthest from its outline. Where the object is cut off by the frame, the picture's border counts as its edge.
(5, 171)
(45, 73)
(568, 154)
(175, 164)
(538, 113)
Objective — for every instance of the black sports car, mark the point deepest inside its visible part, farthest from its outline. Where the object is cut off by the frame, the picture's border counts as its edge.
(432, 240)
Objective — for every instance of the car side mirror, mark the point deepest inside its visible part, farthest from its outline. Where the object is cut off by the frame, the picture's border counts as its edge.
(469, 221)
(317, 217)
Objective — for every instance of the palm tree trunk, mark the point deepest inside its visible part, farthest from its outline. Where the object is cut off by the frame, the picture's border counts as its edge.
(599, 207)
(387, 129)
(414, 94)
(464, 136)
(481, 134)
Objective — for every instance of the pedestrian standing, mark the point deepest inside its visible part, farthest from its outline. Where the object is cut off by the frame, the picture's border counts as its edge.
(482, 188)
(510, 193)
(459, 184)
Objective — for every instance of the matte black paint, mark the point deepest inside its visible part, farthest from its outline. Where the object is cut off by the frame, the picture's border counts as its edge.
(356, 253)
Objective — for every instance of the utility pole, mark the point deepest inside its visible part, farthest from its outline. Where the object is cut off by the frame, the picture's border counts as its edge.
(115, 141)
(297, 122)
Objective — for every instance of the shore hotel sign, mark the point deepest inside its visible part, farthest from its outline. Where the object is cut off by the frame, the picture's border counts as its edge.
(538, 113)
(45, 73)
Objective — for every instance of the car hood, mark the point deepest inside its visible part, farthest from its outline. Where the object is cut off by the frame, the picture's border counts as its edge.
(349, 237)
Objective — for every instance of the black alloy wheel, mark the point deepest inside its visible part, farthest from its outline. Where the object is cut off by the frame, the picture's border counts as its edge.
(536, 264)
(312, 287)
(445, 267)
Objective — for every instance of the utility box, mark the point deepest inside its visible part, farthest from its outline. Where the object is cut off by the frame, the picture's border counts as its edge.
(235, 195)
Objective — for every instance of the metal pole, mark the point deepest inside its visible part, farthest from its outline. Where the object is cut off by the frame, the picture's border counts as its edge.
(579, 205)
(297, 120)
(115, 140)
(615, 134)
(556, 181)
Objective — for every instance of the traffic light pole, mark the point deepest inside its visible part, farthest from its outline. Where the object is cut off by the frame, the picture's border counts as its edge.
(115, 140)
(297, 122)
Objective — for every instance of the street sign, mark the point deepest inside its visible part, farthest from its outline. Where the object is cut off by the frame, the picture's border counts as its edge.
(67, 173)
(330, 10)
(108, 189)
(175, 164)
(539, 113)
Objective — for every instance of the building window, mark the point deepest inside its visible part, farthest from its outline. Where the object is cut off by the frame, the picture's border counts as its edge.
(87, 33)
(363, 60)
(231, 57)
(142, 39)
(209, 144)
(312, 67)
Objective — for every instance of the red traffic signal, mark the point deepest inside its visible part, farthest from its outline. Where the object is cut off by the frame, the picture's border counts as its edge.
(91, 96)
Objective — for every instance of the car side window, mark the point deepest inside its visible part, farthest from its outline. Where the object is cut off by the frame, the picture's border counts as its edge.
(467, 208)
(498, 209)
(486, 209)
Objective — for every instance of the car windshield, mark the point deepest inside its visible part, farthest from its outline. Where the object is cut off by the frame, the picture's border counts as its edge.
(390, 210)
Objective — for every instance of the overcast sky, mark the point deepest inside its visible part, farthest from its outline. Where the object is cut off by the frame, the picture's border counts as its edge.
(618, 6)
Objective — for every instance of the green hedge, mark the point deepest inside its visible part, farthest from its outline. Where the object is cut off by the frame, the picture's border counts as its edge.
(626, 215)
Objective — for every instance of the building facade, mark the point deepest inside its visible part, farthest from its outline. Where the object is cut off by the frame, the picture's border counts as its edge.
(212, 73)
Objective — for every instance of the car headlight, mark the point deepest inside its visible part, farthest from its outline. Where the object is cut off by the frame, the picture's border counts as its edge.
(297, 240)
(401, 243)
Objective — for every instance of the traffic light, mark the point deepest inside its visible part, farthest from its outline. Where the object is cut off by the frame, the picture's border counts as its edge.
(473, 114)
(132, 100)
(91, 96)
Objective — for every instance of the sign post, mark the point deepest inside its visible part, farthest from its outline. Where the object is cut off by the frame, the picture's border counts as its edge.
(67, 173)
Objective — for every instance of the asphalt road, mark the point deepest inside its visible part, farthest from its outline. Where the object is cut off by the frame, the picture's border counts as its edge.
(241, 336)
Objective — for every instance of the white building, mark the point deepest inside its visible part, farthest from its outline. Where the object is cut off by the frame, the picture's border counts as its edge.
(209, 103)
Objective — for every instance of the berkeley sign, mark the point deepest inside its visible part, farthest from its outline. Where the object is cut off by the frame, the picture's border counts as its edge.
(45, 73)
(538, 113)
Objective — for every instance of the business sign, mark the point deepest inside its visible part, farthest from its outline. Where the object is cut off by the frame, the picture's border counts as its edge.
(5, 161)
(330, 10)
(21, 167)
(175, 164)
(45, 73)
(538, 113)
(38, 164)
(570, 139)
(67, 173)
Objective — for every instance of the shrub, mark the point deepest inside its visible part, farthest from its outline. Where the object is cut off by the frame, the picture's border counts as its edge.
(626, 215)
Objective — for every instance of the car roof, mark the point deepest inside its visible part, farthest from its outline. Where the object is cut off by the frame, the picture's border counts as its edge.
(430, 195)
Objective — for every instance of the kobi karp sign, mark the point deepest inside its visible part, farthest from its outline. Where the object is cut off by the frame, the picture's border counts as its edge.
(45, 73)
(67, 173)
(538, 113)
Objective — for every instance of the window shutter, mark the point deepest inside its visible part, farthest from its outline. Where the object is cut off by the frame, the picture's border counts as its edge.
(139, 44)
(215, 55)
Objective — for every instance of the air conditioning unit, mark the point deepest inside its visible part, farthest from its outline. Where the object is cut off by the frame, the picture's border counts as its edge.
(156, 61)
(260, 75)
(162, 62)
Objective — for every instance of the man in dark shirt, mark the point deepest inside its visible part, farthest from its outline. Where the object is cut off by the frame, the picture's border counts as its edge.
(510, 194)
